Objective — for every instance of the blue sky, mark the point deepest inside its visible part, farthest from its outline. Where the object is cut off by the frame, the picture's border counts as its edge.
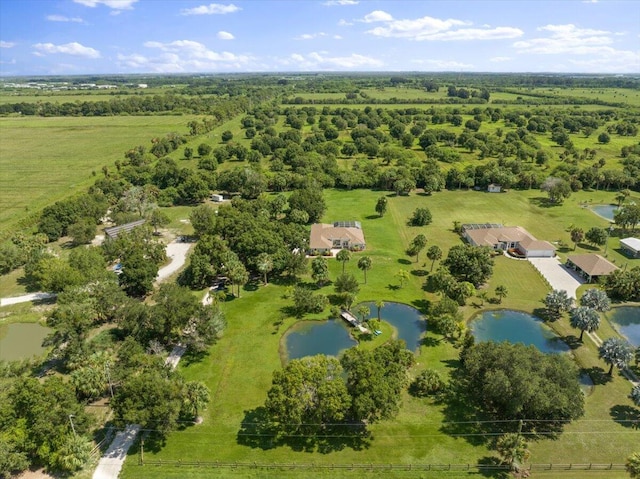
(41, 37)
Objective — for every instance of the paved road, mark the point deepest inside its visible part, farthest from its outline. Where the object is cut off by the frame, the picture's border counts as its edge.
(557, 275)
(26, 298)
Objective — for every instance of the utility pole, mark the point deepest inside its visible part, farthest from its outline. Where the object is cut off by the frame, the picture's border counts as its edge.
(73, 428)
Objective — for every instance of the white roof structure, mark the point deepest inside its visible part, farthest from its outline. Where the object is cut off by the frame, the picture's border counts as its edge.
(631, 243)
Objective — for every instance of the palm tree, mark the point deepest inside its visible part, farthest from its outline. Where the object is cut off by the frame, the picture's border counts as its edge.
(633, 465)
(584, 319)
(635, 395)
(196, 397)
(73, 453)
(418, 244)
(403, 276)
(615, 352)
(577, 235)
(380, 305)
(557, 302)
(264, 264)
(501, 292)
(513, 451)
(434, 253)
(364, 264)
(343, 255)
(364, 312)
(596, 299)
(482, 296)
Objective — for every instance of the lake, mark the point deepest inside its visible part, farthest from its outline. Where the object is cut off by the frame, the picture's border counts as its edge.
(626, 320)
(606, 211)
(308, 338)
(407, 320)
(516, 327)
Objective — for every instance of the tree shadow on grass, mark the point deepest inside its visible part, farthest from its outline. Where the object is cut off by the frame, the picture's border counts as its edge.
(597, 375)
(491, 467)
(404, 261)
(543, 202)
(372, 217)
(422, 305)
(191, 356)
(393, 287)
(572, 341)
(257, 432)
(419, 272)
(626, 416)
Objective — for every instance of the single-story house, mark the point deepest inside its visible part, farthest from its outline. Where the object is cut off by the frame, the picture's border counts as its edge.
(631, 246)
(341, 234)
(493, 188)
(217, 198)
(114, 231)
(591, 266)
(506, 238)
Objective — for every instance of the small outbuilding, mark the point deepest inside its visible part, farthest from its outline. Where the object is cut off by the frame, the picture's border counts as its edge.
(591, 267)
(493, 188)
(631, 246)
(217, 198)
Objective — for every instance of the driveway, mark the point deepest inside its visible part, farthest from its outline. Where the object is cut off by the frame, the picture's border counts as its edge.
(177, 253)
(557, 275)
(112, 460)
(25, 298)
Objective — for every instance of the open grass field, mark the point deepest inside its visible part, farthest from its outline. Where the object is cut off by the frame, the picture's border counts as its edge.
(238, 369)
(43, 160)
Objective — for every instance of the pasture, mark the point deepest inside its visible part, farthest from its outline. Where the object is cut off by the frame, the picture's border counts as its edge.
(44, 160)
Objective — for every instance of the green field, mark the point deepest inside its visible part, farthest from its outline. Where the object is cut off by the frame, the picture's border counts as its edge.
(238, 369)
(46, 159)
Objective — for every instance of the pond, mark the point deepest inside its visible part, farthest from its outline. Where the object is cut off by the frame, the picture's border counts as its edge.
(407, 320)
(21, 340)
(626, 320)
(516, 327)
(308, 338)
(606, 211)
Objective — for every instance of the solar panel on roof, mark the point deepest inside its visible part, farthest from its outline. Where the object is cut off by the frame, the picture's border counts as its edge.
(347, 224)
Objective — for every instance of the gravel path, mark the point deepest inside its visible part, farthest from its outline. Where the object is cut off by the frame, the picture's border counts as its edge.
(26, 297)
(177, 253)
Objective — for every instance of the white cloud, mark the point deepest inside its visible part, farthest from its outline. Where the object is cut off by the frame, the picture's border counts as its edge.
(499, 59)
(222, 35)
(377, 16)
(430, 28)
(115, 4)
(73, 48)
(566, 39)
(62, 18)
(211, 9)
(444, 64)
(337, 37)
(311, 36)
(183, 56)
(344, 23)
(322, 61)
(4, 44)
(333, 3)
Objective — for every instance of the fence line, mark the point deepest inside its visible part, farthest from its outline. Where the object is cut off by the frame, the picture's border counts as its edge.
(385, 467)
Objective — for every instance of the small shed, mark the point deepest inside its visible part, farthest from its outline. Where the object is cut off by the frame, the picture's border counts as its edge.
(631, 246)
(591, 266)
(493, 188)
(217, 198)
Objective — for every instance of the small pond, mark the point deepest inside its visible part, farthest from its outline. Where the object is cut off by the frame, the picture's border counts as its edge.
(626, 320)
(21, 340)
(606, 211)
(308, 338)
(407, 320)
(516, 327)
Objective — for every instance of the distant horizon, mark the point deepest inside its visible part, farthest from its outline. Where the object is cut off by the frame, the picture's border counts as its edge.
(111, 37)
(311, 73)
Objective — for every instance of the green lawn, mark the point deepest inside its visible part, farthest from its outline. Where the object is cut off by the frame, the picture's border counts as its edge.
(238, 369)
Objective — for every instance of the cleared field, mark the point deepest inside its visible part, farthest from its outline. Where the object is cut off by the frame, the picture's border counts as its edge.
(43, 160)
(238, 369)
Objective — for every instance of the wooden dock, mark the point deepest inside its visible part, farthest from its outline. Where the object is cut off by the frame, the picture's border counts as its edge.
(353, 321)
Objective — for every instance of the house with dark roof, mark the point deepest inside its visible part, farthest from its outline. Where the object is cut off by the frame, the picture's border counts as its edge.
(506, 238)
(339, 235)
(591, 267)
